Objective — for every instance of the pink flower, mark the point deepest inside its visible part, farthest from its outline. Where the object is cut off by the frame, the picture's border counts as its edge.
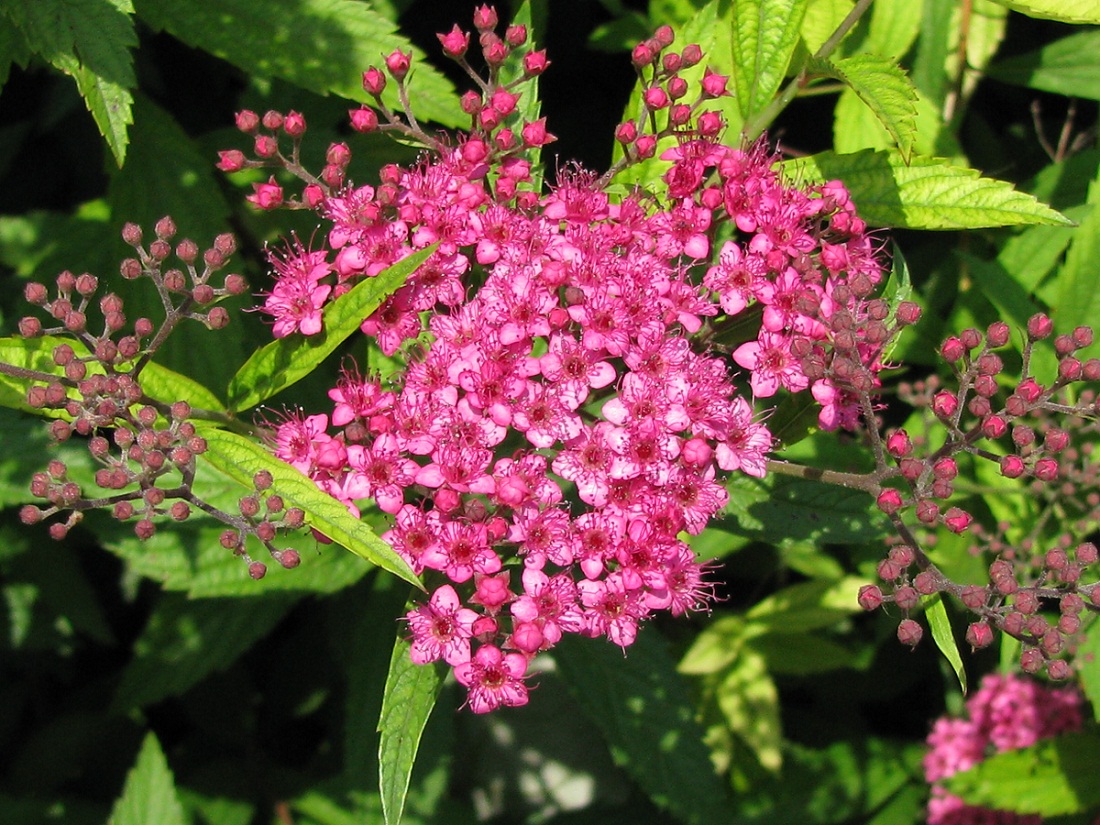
(772, 363)
(441, 629)
(494, 679)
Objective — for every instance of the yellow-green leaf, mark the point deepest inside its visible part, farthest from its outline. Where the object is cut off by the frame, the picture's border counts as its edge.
(886, 90)
(1067, 11)
(925, 193)
(241, 458)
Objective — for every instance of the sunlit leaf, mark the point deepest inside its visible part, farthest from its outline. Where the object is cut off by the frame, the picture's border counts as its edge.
(1066, 11)
(885, 89)
(1052, 778)
(150, 791)
(241, 458)
(925, 193)
(1070, 66)
(407, 702)
(320, 45)
(940, 625)
(287, 360)
(765, 33)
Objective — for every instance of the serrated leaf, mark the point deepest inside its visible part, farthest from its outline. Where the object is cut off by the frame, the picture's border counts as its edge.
(640, 704)
(765, 34)
(885, 89)
(90, 40)
(926, 193)
(186, 640)
(320, 45)
(285, 361)
(780, 508)
(821, 20)
(1051, 778)
(150, 791)
(241, 458)
(407, 701)
(1067, 11)
(1070, 66)
(940, 625)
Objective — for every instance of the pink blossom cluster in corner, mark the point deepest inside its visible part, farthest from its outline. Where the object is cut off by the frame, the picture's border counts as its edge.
(1007, 713)
(570, 408)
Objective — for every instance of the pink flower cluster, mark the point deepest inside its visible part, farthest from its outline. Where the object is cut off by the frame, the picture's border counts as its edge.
(1007, 713)
(567, 412)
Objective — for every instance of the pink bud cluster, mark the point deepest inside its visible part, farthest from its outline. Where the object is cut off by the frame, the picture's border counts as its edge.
(1006, 713)
(567, 411)
(145, 448)
(1014, 428)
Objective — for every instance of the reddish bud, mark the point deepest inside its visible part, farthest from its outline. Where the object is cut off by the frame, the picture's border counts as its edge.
(926, 583)
(455, 42)
(952, 350)
(973, 596)
(363, 120)
(889, 501)
(908, 313)
(997, 334)
(898, 444)
(288, 558)
(374, 81)
(294, 124)
(945, 404)
(714, 85)
(1012, 466)
(247, 122)
(257, 570)
(907, 598)
(1046, 469)
(231, 160)
(535, 63)
(1039, 326)
(945, 468)
(870, 597)
(909, 632)
(979, 635)
(535, 134)
(397, 63)
(993, 426)
(655, 98)
(957, 520)
(485, 18)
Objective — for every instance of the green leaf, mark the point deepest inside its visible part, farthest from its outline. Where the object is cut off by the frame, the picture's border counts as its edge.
(30, 354)
(885, 89)
(898, 289)
(807, 606)
(765, 34)
(89, 40)
(894, 27)
(749, 701)
(1088, 665)
(821, 20)
(240, 459)
(1079, 300)
(169, 386)
(1052, 778)
(287, 360)
(187, 640)
(801, 654)
(926, 193)
(779, 508)
(320, 45)
(940, 624)
(1070, 66)
(410, 694)
(150, 791)
(640, 704)
(1067, 11)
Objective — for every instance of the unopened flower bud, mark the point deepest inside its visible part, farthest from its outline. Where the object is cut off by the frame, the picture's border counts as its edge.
(374, 81)
(979, 635)
(397, 63)
(907, 598)
(889, 501)
(997, 334)
(870, 597)
(257, 570)
(908, 313)
(1039, 326)
(957, 520)
(1046, 469)
(1012, 466)
(288, 558)
(952, 350)
(909, 632)
(898, 444)
(945, 404)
